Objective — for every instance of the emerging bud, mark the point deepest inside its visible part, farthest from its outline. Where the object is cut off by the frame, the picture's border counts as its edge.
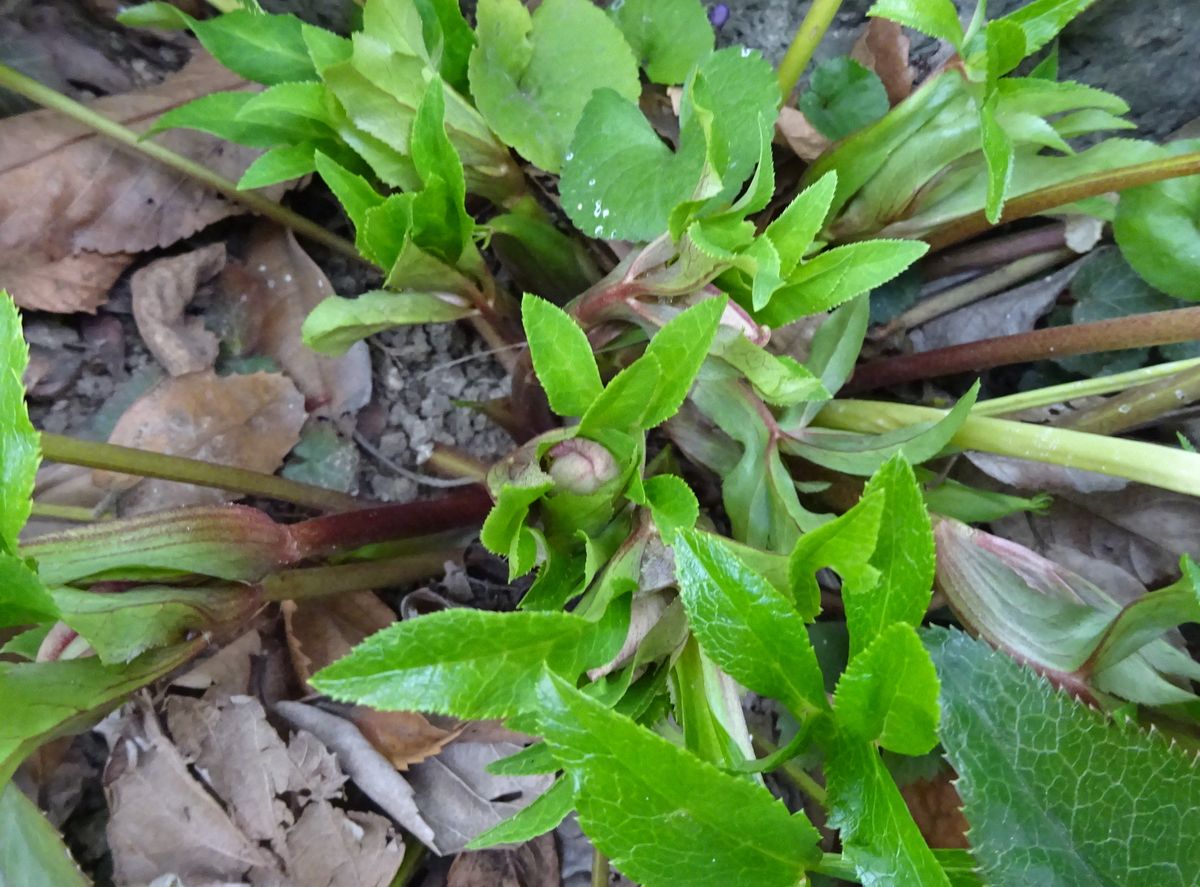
(582, 466)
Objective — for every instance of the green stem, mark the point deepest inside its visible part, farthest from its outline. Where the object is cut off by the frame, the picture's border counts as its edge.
(1147, 463)
(315, 582)
(600, 869)
(48, 98)
(1139, 406)
(126, 460)
(414, 855)
(1045, 199)
(1042, 397)
(808, 35)
(74, 513)
(1135, 331)
(455, 463)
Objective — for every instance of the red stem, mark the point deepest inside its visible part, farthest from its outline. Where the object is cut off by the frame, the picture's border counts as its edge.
(1136, 331)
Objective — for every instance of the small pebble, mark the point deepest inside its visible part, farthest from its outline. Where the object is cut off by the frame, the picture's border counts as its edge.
(718, 15)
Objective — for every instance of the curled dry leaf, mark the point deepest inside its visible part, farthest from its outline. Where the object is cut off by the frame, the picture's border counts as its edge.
(74, 207)
(793, 129)
(534, 864)
(273, 289)
(883, 47)
(161, 291)
(249, 421)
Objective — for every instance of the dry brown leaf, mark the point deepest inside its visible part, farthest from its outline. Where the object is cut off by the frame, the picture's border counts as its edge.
(74, 206)
(403, 737)
(534, 864)
(227, 671)
(161, 291)
(883, 47)
(285, 284)
(459, 799)
(937, 809)
(319, 632)
(249, 421)
(332, 848)
(805, 140)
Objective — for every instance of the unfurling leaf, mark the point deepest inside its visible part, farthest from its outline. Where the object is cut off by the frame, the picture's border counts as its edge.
(661, 814)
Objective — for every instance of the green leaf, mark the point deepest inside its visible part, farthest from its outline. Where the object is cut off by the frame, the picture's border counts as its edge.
(904, 556)
(844, 544)
(1038, 771)
(835, 349)
(441, 224)
(619, 179)
(672, 504)
(449, 40)
(937, 18)
(778, 379)
(746, 625)
(278, 165)
(529, 761)
(217, 114)
(1158, 231)
(889, 693)
(32, 851)
(19, 445)
(532, 75)
(545, 814)
(541, 258)
(626, 399)
(669, 37)
(793, 230)
(460, 662)
(838, 275)
(662, 815)
(1042, 20)
(998, 153)
(267, 49)
(843, 96)
(562, 357)
(397, 24)
(23, 598)
(337, 323)
(878, 833)
(42, 700)
(680, 347)
(356, 195)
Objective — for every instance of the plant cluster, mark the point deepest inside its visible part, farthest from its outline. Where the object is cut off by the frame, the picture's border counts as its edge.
(649, 325)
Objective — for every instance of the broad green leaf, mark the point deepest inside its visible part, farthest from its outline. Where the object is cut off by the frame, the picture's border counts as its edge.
(267, 49)
(937, 18)
(619, 179)
(843, 96)
(844, 544)
(531, 76)
(230, 542)
(1158, 232)
(460, 662)
(626, 400)
(337, 323)
(217, 114)
(680, 347)
(904, 556)
(541, 258)
(277, 165)
(672, 504)
(301, 107)
(662, 815)
(448, 39)
(1006, 47)
(878, 833)
(42, 700)
(396, 23)
(838, 275)
(889, 693)
(1055, 791)
(998, 153)
(545, 814)
(562, 357)
(122, 626)
(668, 37)
(745, 625)
(778, 379)
(793, 230)
(1036, 95)
(32, 851)
(19, 446)
(1042, 20)
(23, 598)
(356, 195)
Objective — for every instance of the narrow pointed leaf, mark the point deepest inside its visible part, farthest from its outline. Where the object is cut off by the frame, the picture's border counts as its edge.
(562, 357)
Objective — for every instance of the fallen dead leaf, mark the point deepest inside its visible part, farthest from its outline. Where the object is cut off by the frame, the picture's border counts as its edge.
(883, 47)
(793, 129)
(226, 672)
(403, 737)
(534, 864)
(250, 421)
(74, 207)
(459, 799)
(282, 284)
(161, 291)
(264, 806)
